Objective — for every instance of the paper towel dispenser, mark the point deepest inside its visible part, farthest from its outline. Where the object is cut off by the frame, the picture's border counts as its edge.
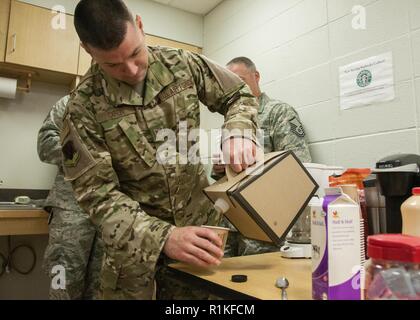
(9, 86)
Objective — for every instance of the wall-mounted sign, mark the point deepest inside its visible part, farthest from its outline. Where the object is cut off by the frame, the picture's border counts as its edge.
(367, 81)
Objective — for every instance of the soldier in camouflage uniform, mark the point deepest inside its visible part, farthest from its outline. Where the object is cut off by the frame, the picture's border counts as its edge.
(73, 243)
(282, 131)
(148, 211)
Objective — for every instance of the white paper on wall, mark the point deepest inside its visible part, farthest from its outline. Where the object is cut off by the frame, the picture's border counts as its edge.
(367, 81)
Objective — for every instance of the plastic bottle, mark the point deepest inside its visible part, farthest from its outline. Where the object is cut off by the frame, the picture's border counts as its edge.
(221, 205)
(410, 211)
(393, 270)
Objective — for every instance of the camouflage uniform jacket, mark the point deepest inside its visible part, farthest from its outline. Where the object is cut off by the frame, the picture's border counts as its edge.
(110, 148)
(282, 128)
(49, 151)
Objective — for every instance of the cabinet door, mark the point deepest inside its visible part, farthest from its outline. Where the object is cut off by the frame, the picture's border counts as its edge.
(33, 41)
(4, 23)
(157, 41)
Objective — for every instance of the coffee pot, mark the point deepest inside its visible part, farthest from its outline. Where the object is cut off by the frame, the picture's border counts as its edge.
(396, 176)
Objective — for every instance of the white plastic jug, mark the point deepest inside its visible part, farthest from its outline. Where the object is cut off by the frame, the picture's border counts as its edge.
(410, 211)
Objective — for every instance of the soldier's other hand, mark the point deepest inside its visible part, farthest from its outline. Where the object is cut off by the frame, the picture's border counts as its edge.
(239, 153)
(194, 245)
(218, 163)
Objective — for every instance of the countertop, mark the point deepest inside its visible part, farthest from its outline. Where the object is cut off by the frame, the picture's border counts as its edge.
(23, 222)
(262, 271)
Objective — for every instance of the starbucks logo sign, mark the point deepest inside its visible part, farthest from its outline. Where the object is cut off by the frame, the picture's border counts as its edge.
(364, 78)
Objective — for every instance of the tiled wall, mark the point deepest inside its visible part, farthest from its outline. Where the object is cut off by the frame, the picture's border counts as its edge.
(298, 46)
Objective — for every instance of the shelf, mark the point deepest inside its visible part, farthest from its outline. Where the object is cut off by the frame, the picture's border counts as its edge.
(19, 72)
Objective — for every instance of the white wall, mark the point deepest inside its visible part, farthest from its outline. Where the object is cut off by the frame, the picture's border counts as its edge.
(298, 46)
(159, 20)
(20, 121)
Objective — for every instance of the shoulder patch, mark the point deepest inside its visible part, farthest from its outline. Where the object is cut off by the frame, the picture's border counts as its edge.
(76, 157)
(71, 155)
(297, 128)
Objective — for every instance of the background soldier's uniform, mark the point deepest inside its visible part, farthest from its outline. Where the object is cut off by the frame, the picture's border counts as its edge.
(282, 131)
(72, 242)
(111, 144)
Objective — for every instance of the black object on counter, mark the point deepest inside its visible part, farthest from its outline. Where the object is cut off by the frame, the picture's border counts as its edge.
(239, 278)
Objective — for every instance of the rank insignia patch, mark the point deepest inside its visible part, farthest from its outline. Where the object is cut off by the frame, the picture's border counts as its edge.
(71, 155)
(297, 128)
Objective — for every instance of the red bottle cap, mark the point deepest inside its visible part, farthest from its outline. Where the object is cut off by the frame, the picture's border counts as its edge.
(416, 191)
(394, 247)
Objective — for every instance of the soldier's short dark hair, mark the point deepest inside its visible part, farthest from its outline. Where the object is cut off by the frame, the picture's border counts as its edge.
(102, 24)
(243, 60)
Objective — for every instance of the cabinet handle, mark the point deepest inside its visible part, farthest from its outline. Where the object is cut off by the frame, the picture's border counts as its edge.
(14, 43)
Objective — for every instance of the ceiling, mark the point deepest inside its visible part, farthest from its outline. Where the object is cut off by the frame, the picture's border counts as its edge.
(201, 7)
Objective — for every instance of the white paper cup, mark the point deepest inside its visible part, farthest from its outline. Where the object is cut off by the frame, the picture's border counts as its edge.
(221, 232)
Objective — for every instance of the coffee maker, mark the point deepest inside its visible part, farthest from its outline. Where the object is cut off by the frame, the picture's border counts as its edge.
(397, 175)
(375, 206)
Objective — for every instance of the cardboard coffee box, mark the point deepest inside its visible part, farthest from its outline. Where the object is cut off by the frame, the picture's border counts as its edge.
(265, 201)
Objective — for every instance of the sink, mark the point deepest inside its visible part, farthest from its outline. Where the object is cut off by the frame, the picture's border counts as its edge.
(14, 206)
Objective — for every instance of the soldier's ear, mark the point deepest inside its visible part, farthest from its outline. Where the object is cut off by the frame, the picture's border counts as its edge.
(257, 76)
(139, 22)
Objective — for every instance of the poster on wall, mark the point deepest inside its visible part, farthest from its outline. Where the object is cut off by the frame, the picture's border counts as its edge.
(367, 81)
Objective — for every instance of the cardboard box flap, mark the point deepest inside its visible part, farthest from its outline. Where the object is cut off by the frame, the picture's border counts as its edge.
(343, 198)
(225, 183)
(253, 170)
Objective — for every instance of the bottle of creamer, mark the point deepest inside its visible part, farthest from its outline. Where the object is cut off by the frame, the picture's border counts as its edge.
(410, 211)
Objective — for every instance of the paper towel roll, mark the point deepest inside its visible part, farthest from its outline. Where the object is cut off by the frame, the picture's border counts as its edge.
(8, 88)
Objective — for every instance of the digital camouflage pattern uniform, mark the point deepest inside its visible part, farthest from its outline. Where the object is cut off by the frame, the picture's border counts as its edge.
(72, 243)
(110, 148)
(282, 131)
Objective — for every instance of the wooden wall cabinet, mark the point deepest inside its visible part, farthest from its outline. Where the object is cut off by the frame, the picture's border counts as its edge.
(32, 41)
(157, 41)
(4, 24)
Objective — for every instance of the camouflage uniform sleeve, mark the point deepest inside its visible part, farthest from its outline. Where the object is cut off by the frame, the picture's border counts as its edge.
(124, 226)
(224, 92)
(48, 144)
(287, 132)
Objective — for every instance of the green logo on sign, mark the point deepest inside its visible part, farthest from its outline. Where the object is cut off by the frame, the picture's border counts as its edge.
(364, 78)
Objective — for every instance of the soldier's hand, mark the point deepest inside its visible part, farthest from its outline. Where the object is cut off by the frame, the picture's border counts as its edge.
(218, 164)
(194, 245)
(219, 168)
(239, 153)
